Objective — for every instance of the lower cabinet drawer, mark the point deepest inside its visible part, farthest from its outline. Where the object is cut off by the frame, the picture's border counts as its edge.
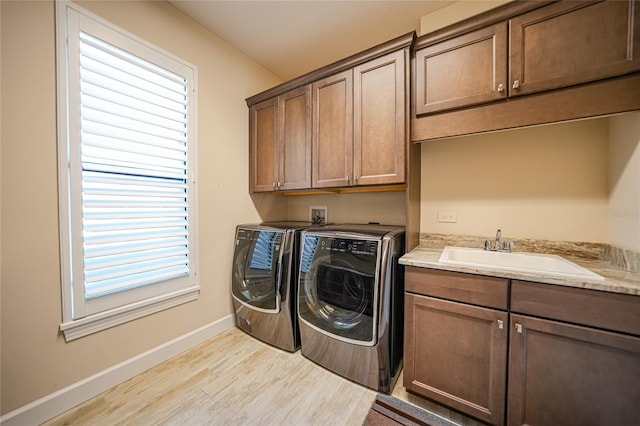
(479, 290)
(609, 311)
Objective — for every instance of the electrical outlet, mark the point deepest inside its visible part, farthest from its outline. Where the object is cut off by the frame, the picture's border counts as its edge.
(447, 216)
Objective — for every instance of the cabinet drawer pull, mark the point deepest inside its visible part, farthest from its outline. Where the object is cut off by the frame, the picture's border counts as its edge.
(519, 328)
(516, 84)
(500, 324)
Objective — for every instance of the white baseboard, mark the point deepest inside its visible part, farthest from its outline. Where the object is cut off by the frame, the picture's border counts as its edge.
(64, 399)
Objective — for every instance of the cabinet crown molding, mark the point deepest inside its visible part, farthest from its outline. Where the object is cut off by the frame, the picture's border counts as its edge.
(398, 43)
(485, 19)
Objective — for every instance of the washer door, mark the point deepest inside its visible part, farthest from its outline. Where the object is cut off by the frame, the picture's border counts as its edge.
(256, 269)
(337, 292)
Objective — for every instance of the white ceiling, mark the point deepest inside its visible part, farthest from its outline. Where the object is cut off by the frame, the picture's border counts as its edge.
(290, 38)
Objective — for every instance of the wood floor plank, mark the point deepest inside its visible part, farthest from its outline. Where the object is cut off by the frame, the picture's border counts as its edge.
(232, 379)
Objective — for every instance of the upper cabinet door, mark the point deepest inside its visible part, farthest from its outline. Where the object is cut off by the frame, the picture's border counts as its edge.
(333, 131)
(466, 70)
(380, 120)
(295, 139)
(569, 43)
(263, 146)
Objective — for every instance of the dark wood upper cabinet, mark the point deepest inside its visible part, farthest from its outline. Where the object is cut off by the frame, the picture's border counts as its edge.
(333, 131)
(569, 43)
(343, 125)
(380, 120)
(263, 146)
(295, 139)
(463, 71)
(553, 46)
(280, 142)
(359, 125)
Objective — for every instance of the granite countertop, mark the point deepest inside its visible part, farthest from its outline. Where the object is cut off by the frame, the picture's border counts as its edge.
(617, 279)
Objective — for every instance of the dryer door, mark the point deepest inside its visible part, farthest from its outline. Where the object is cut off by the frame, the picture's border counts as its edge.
(256, 269)
(338, 287)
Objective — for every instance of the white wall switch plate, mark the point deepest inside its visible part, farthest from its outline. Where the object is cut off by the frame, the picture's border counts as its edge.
(447, 216)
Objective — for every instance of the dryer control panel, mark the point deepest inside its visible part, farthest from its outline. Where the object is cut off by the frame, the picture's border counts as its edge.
(350, 245)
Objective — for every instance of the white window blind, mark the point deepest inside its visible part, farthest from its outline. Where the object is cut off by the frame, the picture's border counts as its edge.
(129, 143)
(134, 170)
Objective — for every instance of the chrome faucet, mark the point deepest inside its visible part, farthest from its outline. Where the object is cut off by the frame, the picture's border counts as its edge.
(505, 246)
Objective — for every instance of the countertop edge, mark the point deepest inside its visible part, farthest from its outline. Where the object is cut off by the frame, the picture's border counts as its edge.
(616, 280)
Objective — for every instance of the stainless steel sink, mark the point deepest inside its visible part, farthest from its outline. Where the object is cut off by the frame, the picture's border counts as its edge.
(545, 264)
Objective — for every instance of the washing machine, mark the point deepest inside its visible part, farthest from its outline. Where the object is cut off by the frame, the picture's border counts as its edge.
(263, 286)
(350, 301)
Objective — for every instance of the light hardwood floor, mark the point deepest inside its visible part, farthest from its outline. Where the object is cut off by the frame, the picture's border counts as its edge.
(232, 379)
(235, 379)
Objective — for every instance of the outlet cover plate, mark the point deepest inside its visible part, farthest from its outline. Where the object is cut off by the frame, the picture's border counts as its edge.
(447, 216)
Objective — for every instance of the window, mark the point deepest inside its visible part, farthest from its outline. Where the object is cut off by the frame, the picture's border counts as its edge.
(126, 145)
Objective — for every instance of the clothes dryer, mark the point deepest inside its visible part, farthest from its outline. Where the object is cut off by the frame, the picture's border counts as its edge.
(263, 286)
(350, 301)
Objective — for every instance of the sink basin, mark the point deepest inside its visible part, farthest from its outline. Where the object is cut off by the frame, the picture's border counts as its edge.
(545, 264)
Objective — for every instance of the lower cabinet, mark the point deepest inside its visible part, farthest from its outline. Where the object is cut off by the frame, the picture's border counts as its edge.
(563, 374)
(522, 353)
(456, 331)
(456, 354)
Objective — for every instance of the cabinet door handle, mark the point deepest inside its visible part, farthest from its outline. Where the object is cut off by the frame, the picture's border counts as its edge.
(500, 324)
(500, 87)
(274, 185)
(279, 184)
(519, 328)
(516, 84)
(346, 178)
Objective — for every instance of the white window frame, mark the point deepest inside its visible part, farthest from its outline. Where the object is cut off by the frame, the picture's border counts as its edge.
(83, 316)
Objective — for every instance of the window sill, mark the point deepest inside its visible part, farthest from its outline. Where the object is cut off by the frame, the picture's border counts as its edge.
(82, 327)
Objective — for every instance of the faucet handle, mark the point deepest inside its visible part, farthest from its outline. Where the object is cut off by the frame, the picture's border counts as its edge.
(487, 245)
(508, 245)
